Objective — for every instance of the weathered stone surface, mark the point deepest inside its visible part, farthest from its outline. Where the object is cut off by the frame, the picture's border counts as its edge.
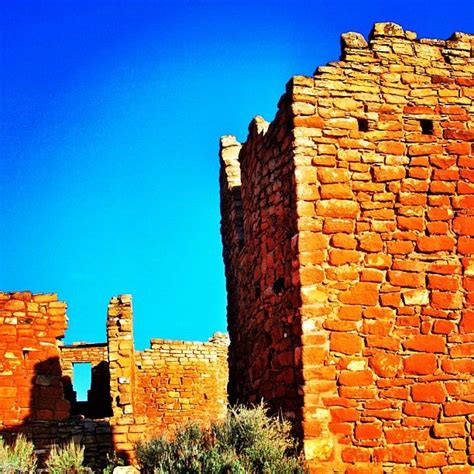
(358, 258)
(353, 40)
(388, 29)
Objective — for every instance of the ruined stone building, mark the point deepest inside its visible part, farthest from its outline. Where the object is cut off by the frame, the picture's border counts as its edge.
(133, 394)
(348, 231)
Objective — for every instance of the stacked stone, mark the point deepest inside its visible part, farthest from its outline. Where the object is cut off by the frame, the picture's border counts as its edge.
(82, 352)
(152, 391)
(179, 381)
(30, 374)
(156, 390)
(122, 368)
(381, 144)
(98, 403)
(262, 297)
(94, 435)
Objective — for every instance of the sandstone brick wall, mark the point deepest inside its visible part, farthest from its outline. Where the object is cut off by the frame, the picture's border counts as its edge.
(30, 374)
(82, 352)
(178, 381)
(257, 239)
(133, 394)
(381, 244)
(154, 390)
(99, 400)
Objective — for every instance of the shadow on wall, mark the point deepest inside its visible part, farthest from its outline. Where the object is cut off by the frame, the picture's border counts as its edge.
(99, 401)
(51, 422)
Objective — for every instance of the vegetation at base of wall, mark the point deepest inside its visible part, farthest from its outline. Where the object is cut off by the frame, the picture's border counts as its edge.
(68, 458)
(247, 441)
(19, 457)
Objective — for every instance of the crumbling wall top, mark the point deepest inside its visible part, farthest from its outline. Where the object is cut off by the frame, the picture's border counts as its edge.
(387, 40)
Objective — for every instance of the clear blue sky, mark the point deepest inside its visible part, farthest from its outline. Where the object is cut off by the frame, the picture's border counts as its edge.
(110, 116)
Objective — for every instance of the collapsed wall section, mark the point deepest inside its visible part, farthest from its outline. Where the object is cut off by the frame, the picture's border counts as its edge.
(99, 401)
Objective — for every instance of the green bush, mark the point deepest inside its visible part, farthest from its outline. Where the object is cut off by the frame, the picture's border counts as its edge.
(17, 458)
(247, 441)
(68, 458)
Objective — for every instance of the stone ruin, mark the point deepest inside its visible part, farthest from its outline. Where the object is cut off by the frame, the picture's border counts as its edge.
(348, 232)
(133, 395)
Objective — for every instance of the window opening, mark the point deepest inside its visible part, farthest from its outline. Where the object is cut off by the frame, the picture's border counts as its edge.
(426, 127)
(279, 286)
(82, 380)
(363, 124)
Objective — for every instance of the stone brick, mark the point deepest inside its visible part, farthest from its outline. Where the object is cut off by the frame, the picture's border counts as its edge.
(426, 410)
(449, 430)
(428, 392)
(426, 343)
(356, 378)
(458, 408)
(310, 241)
(467, 321)
(366, 431)
(341, 257)
(361, 293)
(435, 244)
(354, 455)
(346, 343)
(338, 208)
(420, 364)
(388, 173)
(385, 364)
(333, 175)
(464, 225)
(395, 454)
(371, 242)
(406, 279)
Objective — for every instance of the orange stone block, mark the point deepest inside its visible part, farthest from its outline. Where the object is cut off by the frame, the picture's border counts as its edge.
(361, 294)
(426, 343)
(345, 343)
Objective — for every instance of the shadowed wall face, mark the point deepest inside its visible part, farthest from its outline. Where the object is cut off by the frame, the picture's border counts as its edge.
(30, 373)
(381, 251)
(98, 403)
(258, 220)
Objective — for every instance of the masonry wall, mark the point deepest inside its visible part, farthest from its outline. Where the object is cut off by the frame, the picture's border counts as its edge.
(30, 373)
(133, 394)
(99, 400)
(257, 225)
(154, 390)
(384, 184)
(180, 381)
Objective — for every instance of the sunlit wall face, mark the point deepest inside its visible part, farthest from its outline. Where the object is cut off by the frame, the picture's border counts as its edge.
(110, 116)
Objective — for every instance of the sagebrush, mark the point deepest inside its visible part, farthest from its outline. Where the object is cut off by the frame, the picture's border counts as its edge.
(247, 441)
(68, 458)
(18, 457)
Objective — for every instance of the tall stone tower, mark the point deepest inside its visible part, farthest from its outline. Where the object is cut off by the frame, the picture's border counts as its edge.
(348, 232)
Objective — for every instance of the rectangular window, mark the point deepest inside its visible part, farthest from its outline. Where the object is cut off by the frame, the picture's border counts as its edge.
(82, 377)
